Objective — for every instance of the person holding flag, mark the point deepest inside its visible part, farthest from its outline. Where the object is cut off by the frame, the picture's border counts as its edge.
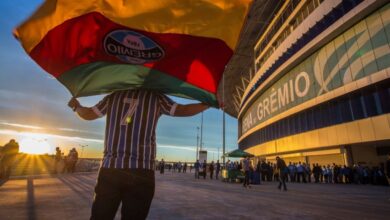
(127, 172)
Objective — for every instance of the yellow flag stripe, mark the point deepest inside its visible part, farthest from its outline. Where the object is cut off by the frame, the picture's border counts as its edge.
(220, 19)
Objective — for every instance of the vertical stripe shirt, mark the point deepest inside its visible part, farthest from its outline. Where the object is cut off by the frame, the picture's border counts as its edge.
(130, 138)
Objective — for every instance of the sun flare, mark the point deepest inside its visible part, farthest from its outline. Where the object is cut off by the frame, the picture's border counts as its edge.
(31, 145)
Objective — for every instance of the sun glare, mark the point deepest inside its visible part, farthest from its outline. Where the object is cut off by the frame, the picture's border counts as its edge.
(32, 145)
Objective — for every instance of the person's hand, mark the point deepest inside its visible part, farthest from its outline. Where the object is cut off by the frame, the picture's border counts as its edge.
(73, 103)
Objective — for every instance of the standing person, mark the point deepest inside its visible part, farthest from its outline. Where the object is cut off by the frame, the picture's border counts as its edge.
(197, 167)
(246, 168)
(336, 173)
(74, 156)
(127, 172)
(9, 151)
(191, 168)
(283, 170)
(162, 166)
(307, 173)
(263, 170)
(179, 166)
(185, 167)
(57, 159)
(218, 168)
(204, 169)
(300, 172)
(258, 170)
(292, 169)
(211, 169)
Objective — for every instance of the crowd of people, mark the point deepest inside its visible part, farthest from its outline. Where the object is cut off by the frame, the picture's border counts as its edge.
(203, 169)
(175, 167)
(299, 172)
(67, 162)
(62, 163)
(304, 173)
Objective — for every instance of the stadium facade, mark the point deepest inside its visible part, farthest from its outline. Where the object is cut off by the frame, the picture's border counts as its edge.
(318, 88)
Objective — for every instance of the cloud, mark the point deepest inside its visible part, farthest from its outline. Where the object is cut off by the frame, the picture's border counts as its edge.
(21, 126)
(80, 131)
(46, 135)
(5, 123)
(186, 148)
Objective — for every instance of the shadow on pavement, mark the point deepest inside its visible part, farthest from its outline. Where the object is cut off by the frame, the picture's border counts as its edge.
(30, 199)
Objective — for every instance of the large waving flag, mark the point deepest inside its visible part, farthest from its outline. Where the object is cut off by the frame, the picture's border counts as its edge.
(179, 47)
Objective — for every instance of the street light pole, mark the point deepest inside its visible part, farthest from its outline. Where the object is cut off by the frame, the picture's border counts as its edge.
(82, 149)
(197, 144)
(201, 132)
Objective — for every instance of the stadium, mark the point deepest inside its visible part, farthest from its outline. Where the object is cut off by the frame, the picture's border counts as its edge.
(310, 81)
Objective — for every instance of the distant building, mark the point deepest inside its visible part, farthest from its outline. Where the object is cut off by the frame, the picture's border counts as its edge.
(317, 89)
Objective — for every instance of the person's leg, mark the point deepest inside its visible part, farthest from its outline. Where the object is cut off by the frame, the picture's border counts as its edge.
(280, 183)
(284, 182)
(137, 194)
(107, 195)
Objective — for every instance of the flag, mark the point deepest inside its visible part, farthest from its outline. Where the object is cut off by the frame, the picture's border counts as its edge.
(179, 47)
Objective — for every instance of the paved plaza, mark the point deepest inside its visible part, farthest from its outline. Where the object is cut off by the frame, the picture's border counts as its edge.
(180, 196)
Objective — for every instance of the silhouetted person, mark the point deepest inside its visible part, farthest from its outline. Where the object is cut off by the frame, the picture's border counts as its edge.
(246, 167)
(57, 159)
(9, 151)
(185, 167)
(162, 166)
(197, 168)
(211, 169)
(204, 168)
(217, 169)
(283, 170)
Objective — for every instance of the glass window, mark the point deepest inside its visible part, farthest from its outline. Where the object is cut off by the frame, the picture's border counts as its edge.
(304, 121)
(345, 110)
(335, 112)
(384, 96)
(311, 120)
(369, 108)
(317, 117)
(298, 123)
(325, 114)
(377, 103)
(356, 107)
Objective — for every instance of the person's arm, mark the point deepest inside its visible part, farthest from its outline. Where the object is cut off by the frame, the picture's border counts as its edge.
(83, 112)
(190, 109)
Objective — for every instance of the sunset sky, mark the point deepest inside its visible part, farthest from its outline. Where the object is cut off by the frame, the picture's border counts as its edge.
(33, 107)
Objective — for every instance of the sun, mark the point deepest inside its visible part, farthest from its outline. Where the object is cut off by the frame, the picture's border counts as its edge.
(32, 145)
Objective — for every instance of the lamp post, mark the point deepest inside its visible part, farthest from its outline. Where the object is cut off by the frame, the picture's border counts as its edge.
(82, 149)
(197, 144)
(201, 132)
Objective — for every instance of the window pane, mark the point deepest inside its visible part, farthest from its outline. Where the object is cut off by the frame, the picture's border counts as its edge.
(384, 95)
(345, 110)
(356, 107)
(369, 104)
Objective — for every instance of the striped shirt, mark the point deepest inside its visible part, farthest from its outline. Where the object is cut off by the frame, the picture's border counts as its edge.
(130, 138)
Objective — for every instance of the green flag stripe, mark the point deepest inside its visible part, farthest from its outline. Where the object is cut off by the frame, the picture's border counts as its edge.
(103, 77)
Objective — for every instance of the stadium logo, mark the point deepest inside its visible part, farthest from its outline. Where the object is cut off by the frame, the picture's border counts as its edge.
(132, 47)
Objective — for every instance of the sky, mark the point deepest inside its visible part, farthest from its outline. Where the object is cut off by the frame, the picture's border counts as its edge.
(33, 107)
